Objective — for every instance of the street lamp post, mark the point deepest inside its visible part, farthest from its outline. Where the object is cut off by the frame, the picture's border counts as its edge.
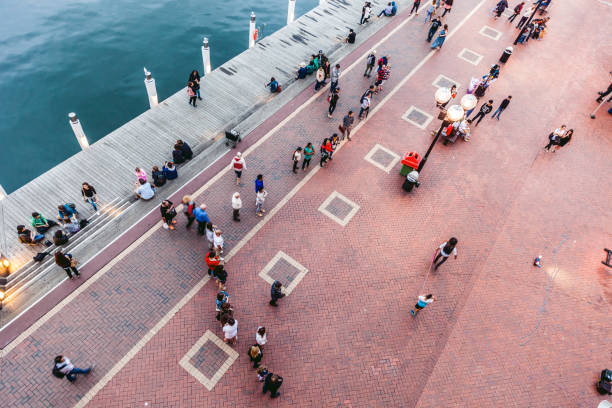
(454, 114)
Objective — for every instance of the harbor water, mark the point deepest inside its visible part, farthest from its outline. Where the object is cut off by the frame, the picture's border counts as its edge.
(88, 57)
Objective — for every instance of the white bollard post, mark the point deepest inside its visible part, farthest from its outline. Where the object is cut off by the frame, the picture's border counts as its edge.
(321, 2)
(291, 11)
(3, 194)
(252, 30)
(151, 91)
(78, 130)
(206, 56)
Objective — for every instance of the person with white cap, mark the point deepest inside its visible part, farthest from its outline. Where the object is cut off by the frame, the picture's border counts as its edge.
(236, 205)
(302, 71)
(371, 62)
(238, 164)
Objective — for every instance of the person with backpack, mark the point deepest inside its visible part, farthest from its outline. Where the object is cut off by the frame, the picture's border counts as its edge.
(297, 156)
(370, 62)
(255, 355)
(366, 13)
(308, 153)
(159, 179)
(168, 212)
(63, 367)
(435, 24)
(431, 11)
(67, 263)
(238, 164)
(189, 205)
(422, 302)
(220, 275)
(365, 107)
(438, 42)
(444, 251)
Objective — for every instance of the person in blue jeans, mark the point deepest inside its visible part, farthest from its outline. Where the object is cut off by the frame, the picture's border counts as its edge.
(90, 196)
(63, 367)
(501, 107)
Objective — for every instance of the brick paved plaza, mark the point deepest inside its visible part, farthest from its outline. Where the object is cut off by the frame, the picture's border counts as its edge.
(353, 249)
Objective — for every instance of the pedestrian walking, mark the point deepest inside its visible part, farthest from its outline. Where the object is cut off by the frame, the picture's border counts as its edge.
(259, 201)
(297, 156)
(564, 140)
(222, 298)
(438, 42)
(210, 234)
(525, 16)
(370, 63)
(431, 11)
(485, 109)
(444, 251)
(516, 11)
(382, 75)
(447, 7)
(347, 125)
(415, 7)
(40, 223)
(366, 13)
(230, 331)
(324, 152)
(262, 372)
(422, 302)
(272, 383)
(220, 275)
(259, 182)
(334, 142)
(88, 192)
(261, 337)
(308, 153)
(168, 212)
(218, 242)
(603, 94)
(238, 164)
(225, 313)
(501, 6)
(333, 100)
(334, 78)
(276, 292)
(501, 107)
(185, 149)
(555, 137)
(194, 78)
(212, 261)
(201, 217)
(236, 206)
(67, 263)
(189, 205)
(63, 367)
(191, 93)
(255, 355)
(365, 107)
(435, 24)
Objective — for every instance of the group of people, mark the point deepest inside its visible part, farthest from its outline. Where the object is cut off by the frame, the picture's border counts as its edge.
(317, 62)
(193, 87)
(558, 138)
(145, 189)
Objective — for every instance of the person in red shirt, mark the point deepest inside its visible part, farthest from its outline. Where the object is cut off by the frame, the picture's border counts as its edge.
(212, 260)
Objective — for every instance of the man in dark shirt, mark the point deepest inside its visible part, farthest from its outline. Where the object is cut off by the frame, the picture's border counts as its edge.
(276, 293)
(272, 383)
(485, 109)
(351, 37)
(501, 107)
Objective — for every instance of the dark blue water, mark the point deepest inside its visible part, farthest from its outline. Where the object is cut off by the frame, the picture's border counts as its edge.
(87, 57)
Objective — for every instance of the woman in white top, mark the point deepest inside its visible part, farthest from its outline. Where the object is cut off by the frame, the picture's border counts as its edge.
(261, 336)
(445, 251)
(259, 201)
(230, 331)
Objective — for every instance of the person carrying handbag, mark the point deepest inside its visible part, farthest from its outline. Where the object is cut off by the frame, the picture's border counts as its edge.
(168, 213)
(67, 263)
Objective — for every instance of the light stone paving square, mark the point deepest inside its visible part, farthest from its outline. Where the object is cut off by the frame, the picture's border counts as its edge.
(334, 206)
(470, 56)
(284, 269)
(444, 81)
(382, 158)
(490, 33)
(417, 117)
(208, 359)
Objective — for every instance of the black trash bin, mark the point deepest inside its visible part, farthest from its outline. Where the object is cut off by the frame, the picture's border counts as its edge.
(507, 53)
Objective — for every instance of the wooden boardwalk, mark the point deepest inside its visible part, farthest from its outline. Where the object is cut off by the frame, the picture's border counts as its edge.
(231, 93)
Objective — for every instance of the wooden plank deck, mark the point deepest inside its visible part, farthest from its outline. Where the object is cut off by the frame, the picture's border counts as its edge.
(231, 93)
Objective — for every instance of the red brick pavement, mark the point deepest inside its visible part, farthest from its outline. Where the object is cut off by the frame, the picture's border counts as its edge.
(344, 337)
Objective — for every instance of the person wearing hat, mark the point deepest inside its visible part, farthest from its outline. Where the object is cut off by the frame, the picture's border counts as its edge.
(371, 62)
(302, 71)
